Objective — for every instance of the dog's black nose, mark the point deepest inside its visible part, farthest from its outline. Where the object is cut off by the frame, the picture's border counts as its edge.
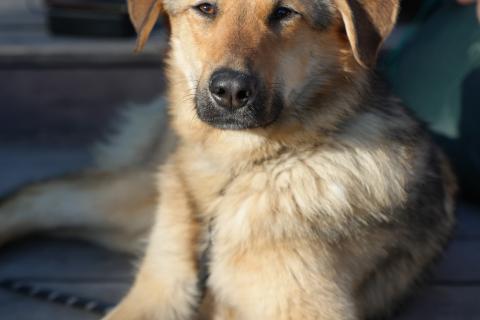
(232, 89)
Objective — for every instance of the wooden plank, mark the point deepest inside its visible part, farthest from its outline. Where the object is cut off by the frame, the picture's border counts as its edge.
(15, 14)
(74, 105)
(40, 50)
(53, 260)
(438, 303)
(444, 303)
(23, 164)
(18, 307)
(468, 225)
(460, 264)
(107, 292)
(25, 41)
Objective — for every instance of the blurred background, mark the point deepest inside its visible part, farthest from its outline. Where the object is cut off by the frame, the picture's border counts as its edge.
(66, 68)
(65, 65)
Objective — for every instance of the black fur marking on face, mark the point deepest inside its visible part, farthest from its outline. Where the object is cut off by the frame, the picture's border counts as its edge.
(320, 12)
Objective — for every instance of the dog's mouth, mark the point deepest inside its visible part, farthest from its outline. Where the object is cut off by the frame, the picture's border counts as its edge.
(260, 114)
(251, 116)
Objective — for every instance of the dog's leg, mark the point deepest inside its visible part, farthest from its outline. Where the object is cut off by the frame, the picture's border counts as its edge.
(282, 282)
(113, 203)
(114, 209)
(207, 308)
(166, 285)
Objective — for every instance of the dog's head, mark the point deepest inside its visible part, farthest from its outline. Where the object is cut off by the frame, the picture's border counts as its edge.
(248, 63)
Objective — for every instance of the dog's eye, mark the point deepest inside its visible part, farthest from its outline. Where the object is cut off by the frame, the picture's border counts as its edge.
(207, 9)
(281, 13)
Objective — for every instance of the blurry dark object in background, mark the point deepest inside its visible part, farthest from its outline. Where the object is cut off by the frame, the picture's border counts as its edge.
(409, 9)
(92, 18)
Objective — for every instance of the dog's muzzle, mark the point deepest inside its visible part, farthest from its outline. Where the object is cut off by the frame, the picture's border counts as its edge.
(235, 100)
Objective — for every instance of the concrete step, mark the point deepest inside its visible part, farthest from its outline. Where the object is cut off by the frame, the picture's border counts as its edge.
(26, 42)
(65, 106)
(66, 90)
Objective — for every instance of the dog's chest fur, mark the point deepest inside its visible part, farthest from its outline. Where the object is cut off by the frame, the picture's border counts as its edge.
(331, 208)
(294, 201)
(310, 191)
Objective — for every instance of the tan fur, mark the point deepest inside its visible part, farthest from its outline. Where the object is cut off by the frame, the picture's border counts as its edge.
(144, 15)
(367, 24)
(333, 211)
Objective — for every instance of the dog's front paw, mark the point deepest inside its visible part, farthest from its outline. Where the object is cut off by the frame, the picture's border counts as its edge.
(148, 308)
(124, 312)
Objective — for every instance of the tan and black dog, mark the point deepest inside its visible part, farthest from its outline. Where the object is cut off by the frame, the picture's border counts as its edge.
(302, 185)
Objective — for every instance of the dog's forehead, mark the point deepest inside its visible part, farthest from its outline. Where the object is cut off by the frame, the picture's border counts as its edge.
(320, 11)
(174, 6)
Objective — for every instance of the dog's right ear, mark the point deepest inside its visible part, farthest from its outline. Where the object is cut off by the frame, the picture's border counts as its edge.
(367, 24)
(144, 15)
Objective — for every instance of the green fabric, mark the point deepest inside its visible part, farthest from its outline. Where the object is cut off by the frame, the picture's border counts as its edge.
(430, 74)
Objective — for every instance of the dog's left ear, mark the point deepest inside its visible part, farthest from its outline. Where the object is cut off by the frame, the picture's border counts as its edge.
(144, 14)
(368, 23)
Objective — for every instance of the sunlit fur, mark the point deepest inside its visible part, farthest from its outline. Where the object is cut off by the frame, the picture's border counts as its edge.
(332, 211)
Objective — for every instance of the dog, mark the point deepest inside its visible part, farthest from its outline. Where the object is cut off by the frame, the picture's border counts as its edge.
(288, 185)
